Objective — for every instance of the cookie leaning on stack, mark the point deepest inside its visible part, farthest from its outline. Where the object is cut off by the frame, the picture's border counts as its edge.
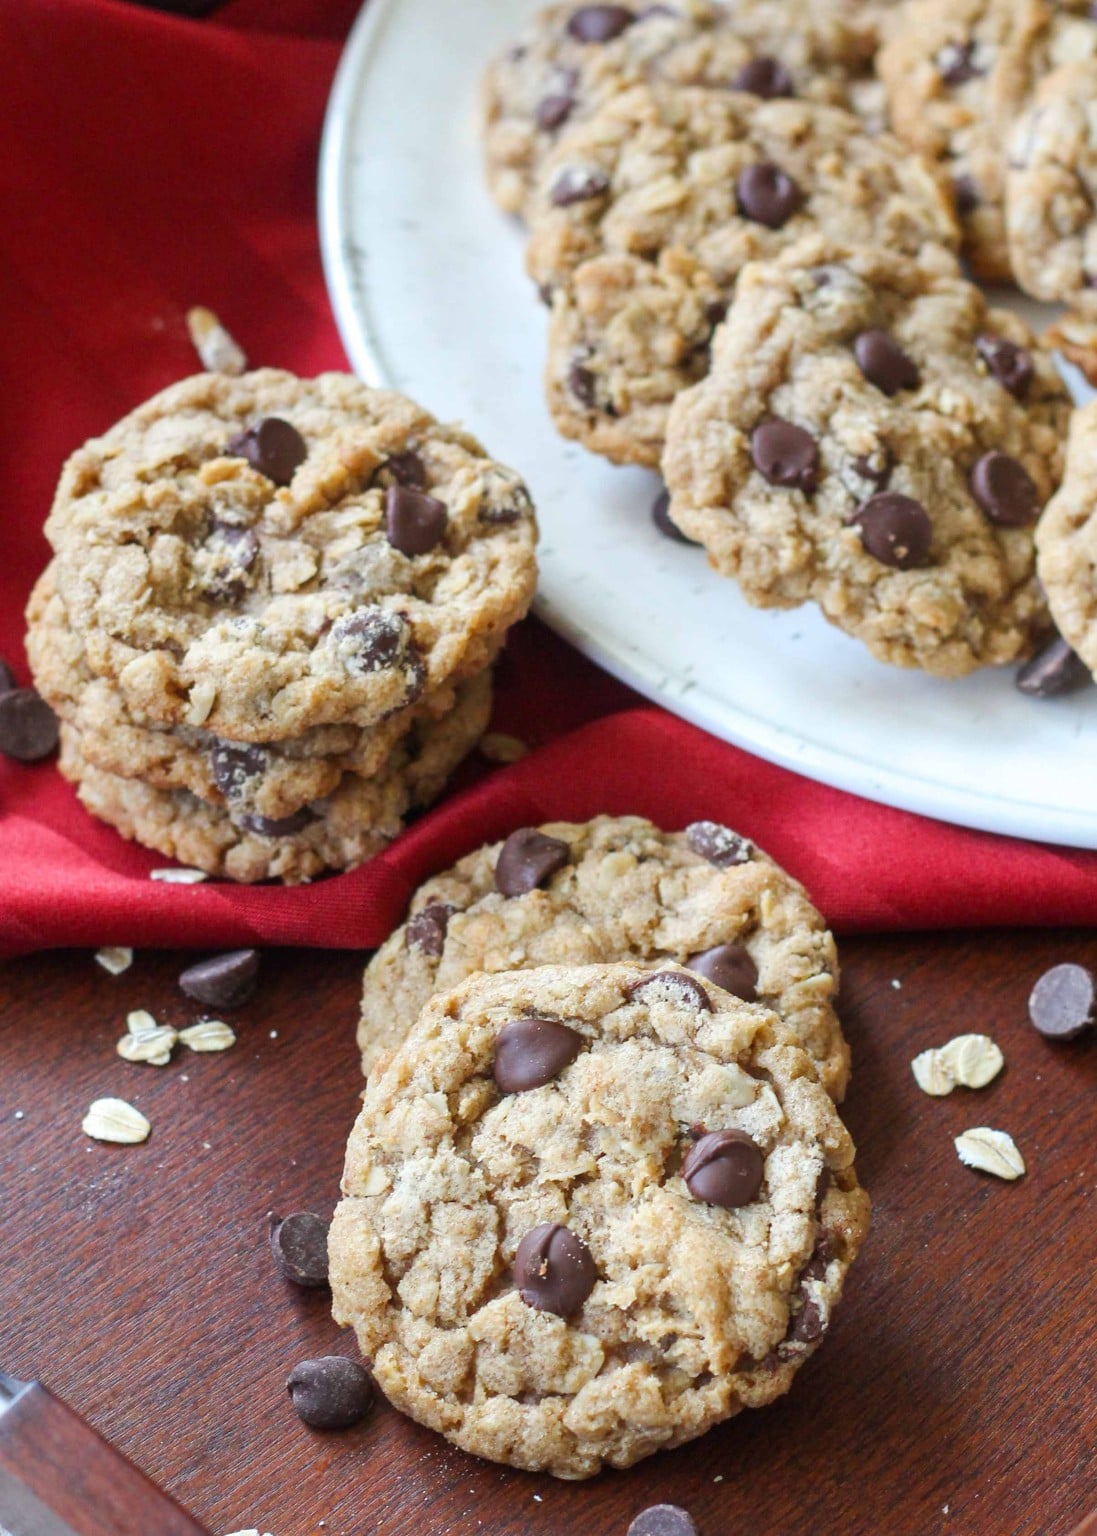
(271, 614)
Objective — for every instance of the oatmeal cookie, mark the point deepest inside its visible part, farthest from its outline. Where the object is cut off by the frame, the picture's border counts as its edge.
(648, 212)
(615, 888)
(873, 437)
(590, 1212)
(257, 556)
(1066, 541)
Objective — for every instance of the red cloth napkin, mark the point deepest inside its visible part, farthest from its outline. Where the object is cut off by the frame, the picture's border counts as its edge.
(151, 163)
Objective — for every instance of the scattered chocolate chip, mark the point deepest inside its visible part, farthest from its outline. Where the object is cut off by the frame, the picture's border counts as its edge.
(1005, 490)
(764, 76)
(724, 1168)
(332, 1392)
(767, 194)
(7, 677)
(299, 1243)
(527, 859)
(1061, 1004)
(718, 844)
(784, 454)
(730, 967)
(663, 1520)
(554, 1269)
(895, 530)
(373, 638)
(426, 931)
(884, 363)
(966, 194)
(807, 1325)
(407, 469)
(600, 23)
(578, 184)
(554, 111)
(276, 826)
(954, 63)
(272, 447)
(235, 766)
(581, 384)
(224, 981)
(414, 522)
(660, 516)
(531, 1052)
(682, 990)
(1010, 364)
(1054, 670)
(28, 726)
(875, 468)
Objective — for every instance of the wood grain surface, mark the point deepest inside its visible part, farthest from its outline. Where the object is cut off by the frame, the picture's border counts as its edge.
(955, 1393)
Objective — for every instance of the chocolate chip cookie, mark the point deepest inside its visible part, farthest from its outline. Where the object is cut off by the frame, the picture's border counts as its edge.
(615, 888)
(572, 57)
(957, 75)
(1066, 541)
(647, 213)
(590, 1212)
(874, 437)
(358, 818)
(258, 556)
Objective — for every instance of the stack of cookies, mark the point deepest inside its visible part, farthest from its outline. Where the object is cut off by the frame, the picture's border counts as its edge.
(755, 288)
(598, 1198)
(270, 620)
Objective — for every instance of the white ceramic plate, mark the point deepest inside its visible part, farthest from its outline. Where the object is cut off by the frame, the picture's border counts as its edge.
(430, 295)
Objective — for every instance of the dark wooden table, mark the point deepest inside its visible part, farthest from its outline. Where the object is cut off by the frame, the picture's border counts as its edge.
(955, 1394)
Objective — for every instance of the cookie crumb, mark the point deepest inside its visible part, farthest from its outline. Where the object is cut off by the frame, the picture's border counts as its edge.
(497, 747)
(114, 959)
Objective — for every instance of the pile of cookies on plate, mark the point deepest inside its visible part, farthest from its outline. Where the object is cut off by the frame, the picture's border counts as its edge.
(271, 615)
(757, 287)
(598, 1197)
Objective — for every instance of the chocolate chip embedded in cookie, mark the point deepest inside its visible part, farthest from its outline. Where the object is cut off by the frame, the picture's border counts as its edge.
(261, 556)
(617, 888)
(886, 454)
(541, 1271)
(696, 184)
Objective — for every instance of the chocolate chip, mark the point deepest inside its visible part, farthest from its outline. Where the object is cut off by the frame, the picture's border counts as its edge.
(224, 981)
(531, 1052)
(1061, 1004)
(1005, 490)
(875, 468)
(954, 63)
(407, 469)
(764, 76)
(276, 826)
(236, 766)
(372, 639)
(332, 1392)
(718, 844)
(273, 447)
(807, 1326)
(966, 194)
(7, 677)
(28, 726)
(767, 194)
(299, 1243)
(724, 1168)
(554, 1269)
(663, 1520)
(600, 23)
(660, 516)
(426, 931)
(578, 184)
(716, 311)
(414, 522)
(672, 987)
(527, 859)
(785, 454)
(816, 1267)
(232, 553)
(1054, 670)
(581, 384)
(511, 508)
(1011, 365)
(554, 111)
(884, 363)
(895, 530)
(730, 967)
